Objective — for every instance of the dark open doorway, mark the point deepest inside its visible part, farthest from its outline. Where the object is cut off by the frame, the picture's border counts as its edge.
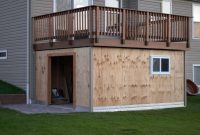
(62, 88)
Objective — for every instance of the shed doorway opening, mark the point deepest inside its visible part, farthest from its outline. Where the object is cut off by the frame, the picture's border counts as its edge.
(62, 80)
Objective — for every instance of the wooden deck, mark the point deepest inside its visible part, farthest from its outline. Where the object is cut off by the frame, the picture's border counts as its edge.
(110, 27)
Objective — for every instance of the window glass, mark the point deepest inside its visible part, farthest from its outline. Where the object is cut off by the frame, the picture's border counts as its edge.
(196, 21)
(112, 3)
(81, 3)
(62, 5)
(197, 75)
(196, 13)
(167, 6)
(156, 65)
(165, 65)
(160, 65)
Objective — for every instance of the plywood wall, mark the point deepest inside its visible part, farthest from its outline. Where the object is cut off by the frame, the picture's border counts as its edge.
(122, 77)
(82, 73)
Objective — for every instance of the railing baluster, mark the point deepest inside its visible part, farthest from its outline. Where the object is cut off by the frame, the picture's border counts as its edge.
(97, 24)
(123, 26)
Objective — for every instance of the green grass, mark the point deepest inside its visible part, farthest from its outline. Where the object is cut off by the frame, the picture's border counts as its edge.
(181, 121)
(6, 88)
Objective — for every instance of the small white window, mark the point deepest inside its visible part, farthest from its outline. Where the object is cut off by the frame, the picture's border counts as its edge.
(196, 20)
(160, 65)
(196, 74)
(167, 6)
(3, 54)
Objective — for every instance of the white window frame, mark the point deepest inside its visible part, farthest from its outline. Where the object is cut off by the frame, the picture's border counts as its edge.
(163, 3)
(195, 65)
(160, 57)
(4, 51)
(194, 4)
(90, 2)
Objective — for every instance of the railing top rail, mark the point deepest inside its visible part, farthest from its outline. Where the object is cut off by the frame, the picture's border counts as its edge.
(93, 6)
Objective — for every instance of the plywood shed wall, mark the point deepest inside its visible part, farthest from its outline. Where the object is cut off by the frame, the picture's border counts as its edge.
(82, 74)
(122, 77)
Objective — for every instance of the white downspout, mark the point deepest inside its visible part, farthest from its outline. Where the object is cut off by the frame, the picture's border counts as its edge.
(28, 55)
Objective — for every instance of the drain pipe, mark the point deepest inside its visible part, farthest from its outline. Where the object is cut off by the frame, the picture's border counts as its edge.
(28, 55)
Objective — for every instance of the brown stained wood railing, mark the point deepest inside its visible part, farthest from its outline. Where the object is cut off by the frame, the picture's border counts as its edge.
(96, 22)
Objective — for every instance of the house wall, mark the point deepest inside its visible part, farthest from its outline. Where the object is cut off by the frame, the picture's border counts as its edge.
(41, 7)
(13, 38)
(192, 56)
(82, 72)
(149, 5)
(132, 4)
(179, 7)
(122, 77)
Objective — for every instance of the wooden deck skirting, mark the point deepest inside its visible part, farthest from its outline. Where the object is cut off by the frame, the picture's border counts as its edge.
(115, 27)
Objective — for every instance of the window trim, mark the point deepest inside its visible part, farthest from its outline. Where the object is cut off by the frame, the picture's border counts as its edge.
(194, 4)
(194, 65)
(6, 57)
(90, 2)
(162, 5)
(159, 57)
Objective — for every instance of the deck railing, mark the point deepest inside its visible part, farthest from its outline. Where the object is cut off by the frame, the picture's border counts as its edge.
(104, 22)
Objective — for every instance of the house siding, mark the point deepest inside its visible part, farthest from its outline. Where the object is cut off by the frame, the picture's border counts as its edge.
(13, 38)
(181, 7)
(41, 7)
(99, 2)
(149, 5)
(132, 4)
(192, 56)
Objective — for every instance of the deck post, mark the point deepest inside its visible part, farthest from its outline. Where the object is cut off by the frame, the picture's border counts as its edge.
(90, 23)
(123, 34)
(147, 30)
(71, 27)
(97, 24)
(50, 31)
(33, 30)
(169, 31)
(189, 27)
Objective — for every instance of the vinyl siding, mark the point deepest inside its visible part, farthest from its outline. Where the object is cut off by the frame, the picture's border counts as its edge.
(149, 5)
(41, 7)
(99, 2)
(182, 7)
(133, 4)
(13, 37)
(192, 57)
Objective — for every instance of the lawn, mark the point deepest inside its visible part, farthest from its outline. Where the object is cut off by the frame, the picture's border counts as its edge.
(6, 88)
(181, 121)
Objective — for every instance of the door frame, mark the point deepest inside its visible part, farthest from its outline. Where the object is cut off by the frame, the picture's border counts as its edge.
(49, 76)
